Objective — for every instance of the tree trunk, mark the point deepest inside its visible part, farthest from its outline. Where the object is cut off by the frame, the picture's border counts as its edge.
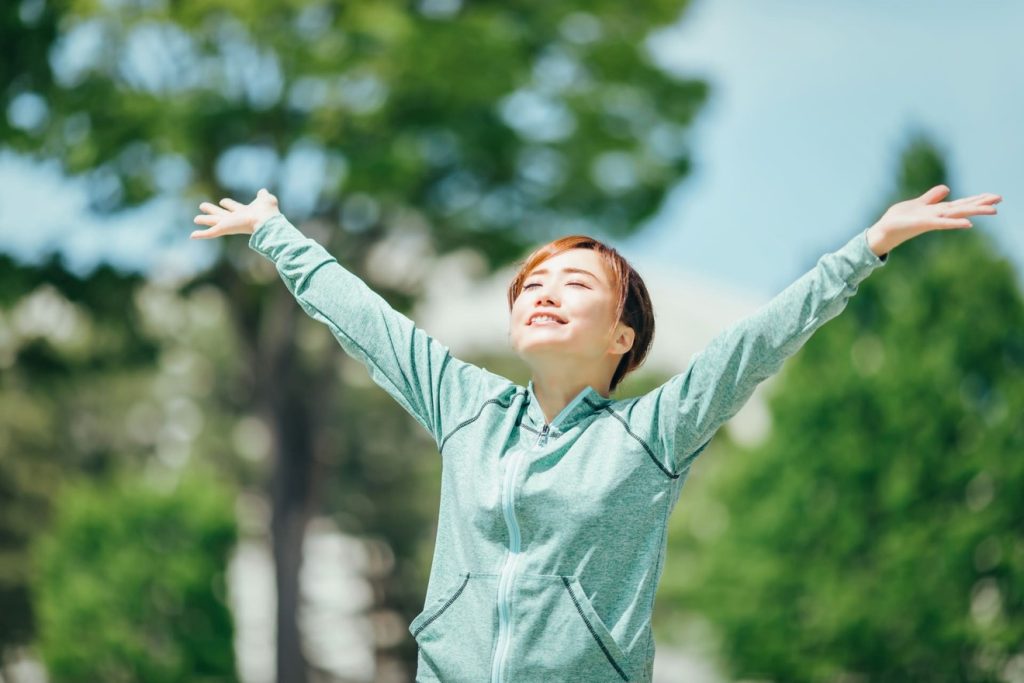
(282, 389)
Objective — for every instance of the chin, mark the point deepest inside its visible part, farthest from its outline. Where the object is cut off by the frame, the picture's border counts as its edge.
(543, 349)
(528, 340)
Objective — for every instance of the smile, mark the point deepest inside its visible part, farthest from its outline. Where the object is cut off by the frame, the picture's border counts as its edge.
(543, 319)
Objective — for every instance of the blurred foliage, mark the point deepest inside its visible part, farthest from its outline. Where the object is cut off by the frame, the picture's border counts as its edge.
(130, 581)
(99, 373)
(64, 342)
(501, 122)
(878, 533)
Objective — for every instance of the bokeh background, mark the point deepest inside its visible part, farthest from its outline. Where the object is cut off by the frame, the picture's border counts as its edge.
(197, 484)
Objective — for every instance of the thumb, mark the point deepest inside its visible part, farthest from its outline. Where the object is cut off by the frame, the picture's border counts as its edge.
(934, 194)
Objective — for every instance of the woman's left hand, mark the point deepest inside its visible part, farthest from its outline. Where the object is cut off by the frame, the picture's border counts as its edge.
(910, 218)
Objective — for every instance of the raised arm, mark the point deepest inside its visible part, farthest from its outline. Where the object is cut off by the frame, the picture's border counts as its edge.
(689, 408)
(417, 370)
(722, 377)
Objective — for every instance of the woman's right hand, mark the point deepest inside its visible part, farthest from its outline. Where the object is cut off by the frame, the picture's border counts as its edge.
(235, 218)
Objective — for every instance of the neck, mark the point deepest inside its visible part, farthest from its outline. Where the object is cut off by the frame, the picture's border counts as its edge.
(555, 393)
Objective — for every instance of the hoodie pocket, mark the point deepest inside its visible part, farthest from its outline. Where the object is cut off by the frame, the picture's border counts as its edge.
(559, 636)
(455, 631)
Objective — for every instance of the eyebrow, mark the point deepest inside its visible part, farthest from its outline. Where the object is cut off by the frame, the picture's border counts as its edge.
(544, 271)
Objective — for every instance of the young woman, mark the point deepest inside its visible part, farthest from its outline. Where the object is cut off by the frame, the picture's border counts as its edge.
(555, 497)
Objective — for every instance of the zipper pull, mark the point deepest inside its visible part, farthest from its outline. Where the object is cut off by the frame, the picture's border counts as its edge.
(543, 435)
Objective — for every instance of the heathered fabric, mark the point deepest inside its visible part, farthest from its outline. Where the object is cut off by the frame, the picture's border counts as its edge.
(551, 537)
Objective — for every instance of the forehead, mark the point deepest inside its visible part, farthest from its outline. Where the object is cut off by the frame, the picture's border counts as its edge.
(574, 260)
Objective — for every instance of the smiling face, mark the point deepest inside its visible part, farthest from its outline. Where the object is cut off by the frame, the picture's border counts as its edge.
(575, 288)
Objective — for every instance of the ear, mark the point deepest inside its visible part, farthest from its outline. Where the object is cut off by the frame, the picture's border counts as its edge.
(624, 338)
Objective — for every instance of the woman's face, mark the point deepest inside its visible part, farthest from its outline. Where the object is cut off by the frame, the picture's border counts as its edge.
(576, 289)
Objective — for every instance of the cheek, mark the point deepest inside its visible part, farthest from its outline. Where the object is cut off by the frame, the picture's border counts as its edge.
(517, 317)
(591, 312)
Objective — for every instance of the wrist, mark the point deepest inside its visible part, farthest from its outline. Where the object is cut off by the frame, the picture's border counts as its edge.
(261, 218)
(879, 241)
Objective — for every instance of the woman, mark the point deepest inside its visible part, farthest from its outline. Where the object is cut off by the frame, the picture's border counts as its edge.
(555, 497)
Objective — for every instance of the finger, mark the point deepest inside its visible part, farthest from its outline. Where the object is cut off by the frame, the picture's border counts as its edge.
(206, 220)
(986, 198)
(231, 204)
(953, 223)
(963, 210)
(212, 208)
(205, 234)
(934, 194)
(966, 200)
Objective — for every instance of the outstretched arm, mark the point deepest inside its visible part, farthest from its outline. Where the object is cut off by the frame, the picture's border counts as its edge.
(417, 370)
(690, 407)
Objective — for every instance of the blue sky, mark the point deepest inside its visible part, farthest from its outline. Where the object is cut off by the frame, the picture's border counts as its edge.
(811, 104)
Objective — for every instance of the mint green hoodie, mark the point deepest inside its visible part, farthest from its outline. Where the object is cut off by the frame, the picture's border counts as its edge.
(551, 536)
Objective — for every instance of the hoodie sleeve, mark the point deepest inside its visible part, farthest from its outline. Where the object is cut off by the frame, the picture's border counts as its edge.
(689, 408)
(417, 370)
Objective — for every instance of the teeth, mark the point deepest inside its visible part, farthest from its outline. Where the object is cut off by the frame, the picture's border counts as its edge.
(543, 318)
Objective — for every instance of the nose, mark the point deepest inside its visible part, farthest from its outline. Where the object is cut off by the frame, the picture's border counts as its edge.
(541, 295)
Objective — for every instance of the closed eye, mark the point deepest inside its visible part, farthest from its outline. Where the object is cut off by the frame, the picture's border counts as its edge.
(534, 284)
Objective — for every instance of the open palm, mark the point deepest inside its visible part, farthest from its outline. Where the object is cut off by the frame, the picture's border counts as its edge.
(912, 217)
(234, 218)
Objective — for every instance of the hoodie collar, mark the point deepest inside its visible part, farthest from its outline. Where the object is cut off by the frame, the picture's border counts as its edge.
(587, 402)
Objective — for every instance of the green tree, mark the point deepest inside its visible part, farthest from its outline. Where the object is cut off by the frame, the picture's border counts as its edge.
(486, 126)
(100, 372)
(130, 582)
(877, 533)
(72, 360)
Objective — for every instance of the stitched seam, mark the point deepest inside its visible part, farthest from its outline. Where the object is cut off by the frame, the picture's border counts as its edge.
(669, 473)
(590, 628)
(829, 300)
(443, 607)
(338, 330)
(520, 422)
(476, 417)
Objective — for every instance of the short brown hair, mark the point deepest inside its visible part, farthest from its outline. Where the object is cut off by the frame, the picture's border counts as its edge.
(633, 305)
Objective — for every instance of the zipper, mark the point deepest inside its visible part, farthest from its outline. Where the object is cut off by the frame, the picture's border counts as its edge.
(508, 570)
(512, 558)
(543, 438)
